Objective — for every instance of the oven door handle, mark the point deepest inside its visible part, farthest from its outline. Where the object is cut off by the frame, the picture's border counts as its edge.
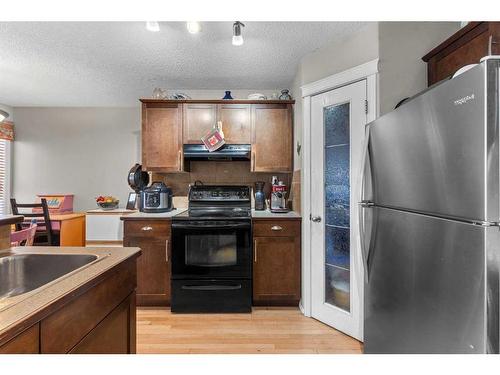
(210, 226)
(211, 287)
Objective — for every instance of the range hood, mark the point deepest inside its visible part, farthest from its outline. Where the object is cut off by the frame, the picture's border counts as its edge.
(226, 152)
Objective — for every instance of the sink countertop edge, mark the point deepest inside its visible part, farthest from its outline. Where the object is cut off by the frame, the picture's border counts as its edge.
(39, 303)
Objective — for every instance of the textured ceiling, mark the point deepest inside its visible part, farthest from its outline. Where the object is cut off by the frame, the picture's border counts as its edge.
(114, 63)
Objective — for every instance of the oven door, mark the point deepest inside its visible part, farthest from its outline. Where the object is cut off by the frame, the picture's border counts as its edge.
(211, 249)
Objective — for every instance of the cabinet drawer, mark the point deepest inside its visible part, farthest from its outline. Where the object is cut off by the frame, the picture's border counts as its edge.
(147, 228)
(279, 228)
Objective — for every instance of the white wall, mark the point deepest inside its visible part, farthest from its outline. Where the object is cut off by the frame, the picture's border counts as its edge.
(83, 151)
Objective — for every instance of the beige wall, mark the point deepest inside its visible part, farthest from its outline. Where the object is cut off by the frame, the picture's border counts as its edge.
(402, 45)
(9, 110)
(398, 45)
(85, 151)
(331, 59)
(82, 151)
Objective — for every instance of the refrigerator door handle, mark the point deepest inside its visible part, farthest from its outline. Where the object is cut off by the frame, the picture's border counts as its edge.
(363, 204)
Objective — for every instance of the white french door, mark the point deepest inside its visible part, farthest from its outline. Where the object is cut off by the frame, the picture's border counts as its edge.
(338, 120)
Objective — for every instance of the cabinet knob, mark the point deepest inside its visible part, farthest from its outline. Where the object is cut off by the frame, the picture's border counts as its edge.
(146, 228)
(276, 227)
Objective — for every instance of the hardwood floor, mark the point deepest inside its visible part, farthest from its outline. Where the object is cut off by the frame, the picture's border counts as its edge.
(265, 330)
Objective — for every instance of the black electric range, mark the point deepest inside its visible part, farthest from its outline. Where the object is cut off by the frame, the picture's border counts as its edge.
(212, 251)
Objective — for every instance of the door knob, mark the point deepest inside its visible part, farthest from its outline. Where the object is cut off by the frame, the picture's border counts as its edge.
(316, 219)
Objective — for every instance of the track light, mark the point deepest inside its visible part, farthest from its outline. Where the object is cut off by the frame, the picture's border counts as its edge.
(3, 115)
(237, 37)
(153, 26)
(193, 27)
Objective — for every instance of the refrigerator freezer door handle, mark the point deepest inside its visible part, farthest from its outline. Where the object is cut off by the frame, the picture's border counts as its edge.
(362, 244)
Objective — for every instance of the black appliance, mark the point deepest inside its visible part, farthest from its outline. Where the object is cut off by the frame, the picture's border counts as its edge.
(226, 152)
(156, 198)
(137, 180)
(260, 196)
(212, 251)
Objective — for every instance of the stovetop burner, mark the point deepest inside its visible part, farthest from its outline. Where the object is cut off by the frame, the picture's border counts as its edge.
(216, 202)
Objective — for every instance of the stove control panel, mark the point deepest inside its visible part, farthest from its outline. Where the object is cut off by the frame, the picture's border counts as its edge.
(219, 193)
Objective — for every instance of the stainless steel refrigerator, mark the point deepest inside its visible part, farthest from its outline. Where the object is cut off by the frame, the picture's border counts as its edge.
(429, 220)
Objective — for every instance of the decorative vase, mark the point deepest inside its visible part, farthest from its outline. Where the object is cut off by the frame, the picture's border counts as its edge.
(285, 95)
(228, 95)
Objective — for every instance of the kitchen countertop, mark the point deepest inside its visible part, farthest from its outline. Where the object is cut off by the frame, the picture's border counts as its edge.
(167, 215)
(266, 214)
(10, 219)
(160, 216)
(15, 309)
(115, 211)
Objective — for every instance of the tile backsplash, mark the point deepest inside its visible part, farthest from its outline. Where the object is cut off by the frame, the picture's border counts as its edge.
(221, 173)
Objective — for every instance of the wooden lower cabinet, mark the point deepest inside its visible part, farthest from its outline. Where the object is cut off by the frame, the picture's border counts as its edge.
(153, 266)
(276, 266)
(113, 334)
(98, 318)
(27, 342)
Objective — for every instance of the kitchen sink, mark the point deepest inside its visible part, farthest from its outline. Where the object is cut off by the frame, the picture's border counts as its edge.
(22, 273)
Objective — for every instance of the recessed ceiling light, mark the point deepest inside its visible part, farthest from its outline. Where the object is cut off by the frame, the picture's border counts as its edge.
(193, 27)
(153, 26)
(3, 115)
(237, 37)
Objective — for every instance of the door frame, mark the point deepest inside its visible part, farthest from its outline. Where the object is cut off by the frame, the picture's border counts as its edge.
(368, 71)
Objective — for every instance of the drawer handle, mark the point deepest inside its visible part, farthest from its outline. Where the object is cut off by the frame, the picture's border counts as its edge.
(166, 250)
(146, 228)
(276, 227)
(211, 287)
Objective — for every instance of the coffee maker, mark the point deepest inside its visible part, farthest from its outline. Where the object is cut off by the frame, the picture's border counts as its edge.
(260, 197)
(278, 196)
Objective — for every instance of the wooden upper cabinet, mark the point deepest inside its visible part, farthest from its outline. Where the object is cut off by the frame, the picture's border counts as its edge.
(236, 122)
(198, 120)
(272, 136)
(162, 137)
(467, 46)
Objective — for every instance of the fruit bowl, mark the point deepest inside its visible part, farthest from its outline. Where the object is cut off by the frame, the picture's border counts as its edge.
(108, 205)
(107, 202)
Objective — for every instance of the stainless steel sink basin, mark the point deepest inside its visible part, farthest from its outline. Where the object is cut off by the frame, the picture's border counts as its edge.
(22, 273)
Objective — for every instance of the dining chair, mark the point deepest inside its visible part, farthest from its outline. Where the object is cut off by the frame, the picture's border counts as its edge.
(44, 235)
(24, 237)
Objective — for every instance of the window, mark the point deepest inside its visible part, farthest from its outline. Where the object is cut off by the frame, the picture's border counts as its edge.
(4, 176)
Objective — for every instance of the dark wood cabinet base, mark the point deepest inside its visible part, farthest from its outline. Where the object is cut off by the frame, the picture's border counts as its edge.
(98, 318)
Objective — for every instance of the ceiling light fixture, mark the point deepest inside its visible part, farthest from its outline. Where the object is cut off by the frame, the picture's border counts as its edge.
(193, 27)
(153, 26)
(237, 37)
(3, 115)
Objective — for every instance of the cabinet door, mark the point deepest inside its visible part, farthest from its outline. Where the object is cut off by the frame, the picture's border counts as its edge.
(162, 137)
(153, 270)
(27, 342)
(235, 122)
(112, 335)
(198, 120)
(276, 270)
(271, 138)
